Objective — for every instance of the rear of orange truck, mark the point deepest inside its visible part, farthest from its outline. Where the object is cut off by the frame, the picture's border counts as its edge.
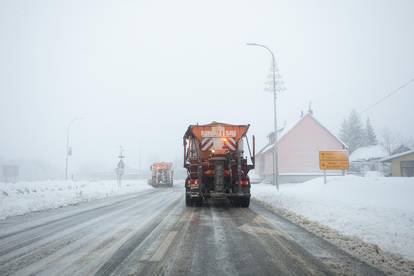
(161, 175)
(215, 163)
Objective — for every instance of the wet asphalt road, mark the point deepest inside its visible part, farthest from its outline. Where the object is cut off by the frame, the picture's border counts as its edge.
(153, 233)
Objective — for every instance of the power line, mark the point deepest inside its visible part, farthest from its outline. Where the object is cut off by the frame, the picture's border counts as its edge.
(388, 95)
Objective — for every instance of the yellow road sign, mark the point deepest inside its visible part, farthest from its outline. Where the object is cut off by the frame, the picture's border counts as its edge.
(331, 155)
(333, 160)
(334, 165)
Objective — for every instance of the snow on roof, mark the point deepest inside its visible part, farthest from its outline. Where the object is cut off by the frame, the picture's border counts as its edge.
(281, 133)
(266, 148)
(396, 155)
(286, 129)
(368, 153)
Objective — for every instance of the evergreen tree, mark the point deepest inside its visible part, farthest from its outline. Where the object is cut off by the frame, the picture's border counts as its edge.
(352, 132)
(344, 133)
(370, 136)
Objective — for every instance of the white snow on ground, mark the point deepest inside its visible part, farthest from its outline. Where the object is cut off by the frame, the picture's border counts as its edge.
(378, 210)
(25, 197)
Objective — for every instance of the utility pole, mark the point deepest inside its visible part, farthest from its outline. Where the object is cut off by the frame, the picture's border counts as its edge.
(140, 164)
(276, 88)
(68, 147)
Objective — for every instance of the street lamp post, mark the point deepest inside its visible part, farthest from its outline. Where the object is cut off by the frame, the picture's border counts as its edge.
(68, 150)
(275, 145)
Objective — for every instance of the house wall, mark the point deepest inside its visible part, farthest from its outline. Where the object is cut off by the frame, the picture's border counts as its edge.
(299, 149)
(396, 165)
(260, 164)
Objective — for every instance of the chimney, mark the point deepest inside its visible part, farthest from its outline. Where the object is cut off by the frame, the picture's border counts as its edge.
(271, 137)
(310, 110)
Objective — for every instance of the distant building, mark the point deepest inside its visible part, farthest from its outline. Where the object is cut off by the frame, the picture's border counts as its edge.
(299, 146)
(402, 164)
(367, 158)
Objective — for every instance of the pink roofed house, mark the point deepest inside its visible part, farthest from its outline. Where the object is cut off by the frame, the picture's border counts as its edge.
(299, 147)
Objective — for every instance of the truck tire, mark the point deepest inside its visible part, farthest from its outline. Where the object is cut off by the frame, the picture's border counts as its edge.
(244, 202)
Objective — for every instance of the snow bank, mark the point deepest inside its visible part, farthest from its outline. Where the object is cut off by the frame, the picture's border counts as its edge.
(25, 197)
(378, 210)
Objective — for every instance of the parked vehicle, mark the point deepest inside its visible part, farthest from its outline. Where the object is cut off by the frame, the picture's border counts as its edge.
(213, 157)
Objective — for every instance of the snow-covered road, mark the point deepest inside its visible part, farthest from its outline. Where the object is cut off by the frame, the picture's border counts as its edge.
(152, 232)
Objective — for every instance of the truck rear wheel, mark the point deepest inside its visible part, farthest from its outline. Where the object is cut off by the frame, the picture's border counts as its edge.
(188, 201)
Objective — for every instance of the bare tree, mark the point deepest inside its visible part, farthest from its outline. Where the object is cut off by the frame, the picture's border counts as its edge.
(406, 143)
(410, 143)
(389, 140)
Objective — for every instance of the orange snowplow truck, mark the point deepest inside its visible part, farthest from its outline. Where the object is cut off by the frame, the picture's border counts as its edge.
(161, 175)
(215, 163)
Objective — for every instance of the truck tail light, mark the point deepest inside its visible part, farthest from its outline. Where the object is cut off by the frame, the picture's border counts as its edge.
(244, 182)
(193, 182)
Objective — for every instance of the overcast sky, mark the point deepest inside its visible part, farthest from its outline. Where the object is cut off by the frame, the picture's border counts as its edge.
(139, 72)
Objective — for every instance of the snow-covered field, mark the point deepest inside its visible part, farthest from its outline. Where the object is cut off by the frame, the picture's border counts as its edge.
(378, 210)
(25, 197)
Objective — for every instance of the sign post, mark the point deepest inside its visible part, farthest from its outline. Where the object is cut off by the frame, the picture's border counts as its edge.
(333, 160)
(120, 168)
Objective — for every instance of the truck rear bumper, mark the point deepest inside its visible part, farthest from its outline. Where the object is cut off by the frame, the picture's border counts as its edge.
(221, 195)
(217, 195)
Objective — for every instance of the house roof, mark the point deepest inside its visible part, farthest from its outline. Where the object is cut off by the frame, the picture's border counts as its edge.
(265, 148)
(368, 153)
(385, 159)
(287, 129)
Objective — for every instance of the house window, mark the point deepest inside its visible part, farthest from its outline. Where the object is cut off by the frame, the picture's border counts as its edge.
(407, 168)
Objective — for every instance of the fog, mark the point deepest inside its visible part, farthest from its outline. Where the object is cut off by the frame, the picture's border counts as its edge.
(139, 72)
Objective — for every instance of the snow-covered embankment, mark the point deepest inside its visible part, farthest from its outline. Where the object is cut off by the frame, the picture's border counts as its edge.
(376, 210)
(25, 197)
